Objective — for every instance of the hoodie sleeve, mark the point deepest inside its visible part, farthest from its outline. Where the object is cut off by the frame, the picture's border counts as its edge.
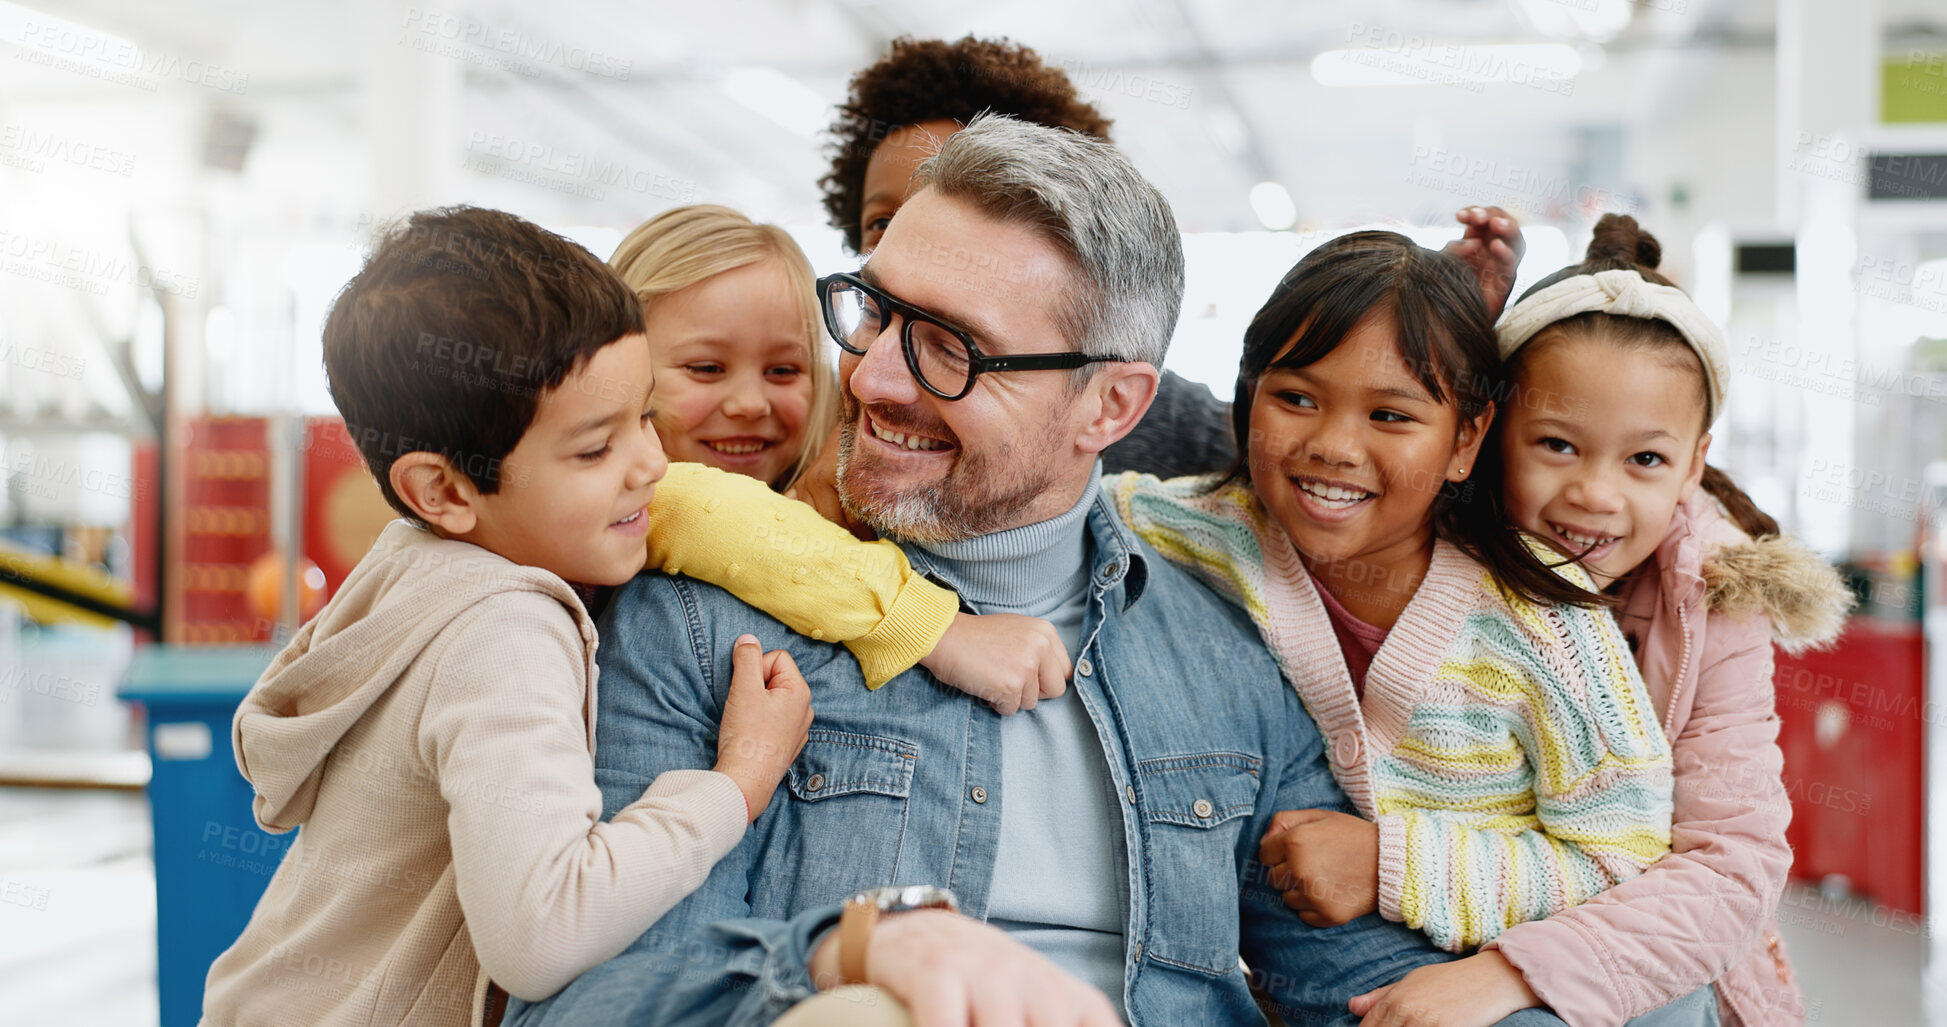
(779, 555)
(1696, 914)
(1591, 758)
(548, 889)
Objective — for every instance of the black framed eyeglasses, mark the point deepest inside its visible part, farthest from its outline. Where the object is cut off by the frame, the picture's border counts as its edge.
(943, 358)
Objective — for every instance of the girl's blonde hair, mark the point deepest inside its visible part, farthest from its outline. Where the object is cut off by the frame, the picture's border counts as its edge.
(685, 245)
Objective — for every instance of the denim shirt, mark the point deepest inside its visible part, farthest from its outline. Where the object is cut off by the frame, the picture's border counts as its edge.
(1204, 739)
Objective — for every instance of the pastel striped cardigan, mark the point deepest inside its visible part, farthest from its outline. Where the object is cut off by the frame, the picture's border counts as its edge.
(1508, 752)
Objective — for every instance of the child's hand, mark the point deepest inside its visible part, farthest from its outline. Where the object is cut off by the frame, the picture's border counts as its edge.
(1325, 863)
(817, 487)
(1492, 247)
(765, 720)
(1008, 660)
(1472, 992)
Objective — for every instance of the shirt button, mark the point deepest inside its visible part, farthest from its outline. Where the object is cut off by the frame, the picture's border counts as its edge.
(1084, 668)
(817, 781)
(979, 794)
(1137, 953)
(1202, 808)
(1112, 568)
(1346, 750)
(1130, 792)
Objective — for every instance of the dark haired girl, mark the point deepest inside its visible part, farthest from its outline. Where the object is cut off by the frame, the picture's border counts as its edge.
(1480, 709)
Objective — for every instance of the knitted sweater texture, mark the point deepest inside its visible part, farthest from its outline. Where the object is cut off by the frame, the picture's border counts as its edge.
(1508, 751)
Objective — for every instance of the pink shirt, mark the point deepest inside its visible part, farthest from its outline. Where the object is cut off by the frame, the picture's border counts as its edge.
(1357, 639)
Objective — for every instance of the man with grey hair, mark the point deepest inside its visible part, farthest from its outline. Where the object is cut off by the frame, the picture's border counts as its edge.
(1089, 861)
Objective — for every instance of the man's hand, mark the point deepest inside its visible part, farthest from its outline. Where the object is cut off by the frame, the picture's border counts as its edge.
(1472, 992)
(1005, 659)
(1492, 247)
(766, 718)
(1325, 863)
(817, 487)
(952, 971)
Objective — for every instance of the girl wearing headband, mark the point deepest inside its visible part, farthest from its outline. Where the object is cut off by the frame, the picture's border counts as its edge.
(1617, 378)
(1480, 710)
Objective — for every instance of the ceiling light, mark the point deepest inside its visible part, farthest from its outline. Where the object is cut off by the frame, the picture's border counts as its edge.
(1415, 63)
(1273, 206)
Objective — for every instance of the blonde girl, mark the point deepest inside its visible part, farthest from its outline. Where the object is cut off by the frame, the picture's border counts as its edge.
(732, 320)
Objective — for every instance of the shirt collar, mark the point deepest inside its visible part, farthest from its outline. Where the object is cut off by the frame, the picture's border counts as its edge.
(1115, 557)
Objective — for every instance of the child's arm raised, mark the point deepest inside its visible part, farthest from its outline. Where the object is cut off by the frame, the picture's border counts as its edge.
(779, 555)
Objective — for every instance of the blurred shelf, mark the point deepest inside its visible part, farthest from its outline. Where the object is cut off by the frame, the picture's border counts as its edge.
(13, 424)
(114, 771)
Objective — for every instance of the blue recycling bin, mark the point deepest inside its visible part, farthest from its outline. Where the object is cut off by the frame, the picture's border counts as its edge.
(211, 860)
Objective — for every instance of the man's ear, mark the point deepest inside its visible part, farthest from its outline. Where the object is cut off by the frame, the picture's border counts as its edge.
(1116, 399)
(436, 492)
(1467, 446)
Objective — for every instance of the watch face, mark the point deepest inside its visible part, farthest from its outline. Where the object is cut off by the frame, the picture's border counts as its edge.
(911, 896)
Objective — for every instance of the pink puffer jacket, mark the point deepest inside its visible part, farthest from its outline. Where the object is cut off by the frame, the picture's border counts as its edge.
(1702, 621)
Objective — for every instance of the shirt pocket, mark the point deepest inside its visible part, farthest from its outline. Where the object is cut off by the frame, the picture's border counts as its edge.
(1195, 809)
(840, 823)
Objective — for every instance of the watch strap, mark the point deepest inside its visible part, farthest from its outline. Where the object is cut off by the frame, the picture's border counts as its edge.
(854, 934)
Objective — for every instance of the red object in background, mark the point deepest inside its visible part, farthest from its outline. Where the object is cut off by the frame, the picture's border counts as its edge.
(143, 541)
(225, 526)
(344, 512)
(1852, 732)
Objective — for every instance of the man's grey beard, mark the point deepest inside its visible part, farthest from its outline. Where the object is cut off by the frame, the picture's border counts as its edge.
(980, 495)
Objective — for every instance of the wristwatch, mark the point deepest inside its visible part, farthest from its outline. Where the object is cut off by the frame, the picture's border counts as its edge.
(863, 910)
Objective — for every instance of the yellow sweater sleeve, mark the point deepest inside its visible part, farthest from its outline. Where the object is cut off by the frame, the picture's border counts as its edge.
(779, 555)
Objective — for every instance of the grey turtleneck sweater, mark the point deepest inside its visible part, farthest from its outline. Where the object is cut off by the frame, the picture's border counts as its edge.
(1059, 874)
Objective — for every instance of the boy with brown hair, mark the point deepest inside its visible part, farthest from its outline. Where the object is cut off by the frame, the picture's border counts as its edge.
(431, 729)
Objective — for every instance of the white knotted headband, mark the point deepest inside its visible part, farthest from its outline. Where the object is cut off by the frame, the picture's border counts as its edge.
(1624, 294)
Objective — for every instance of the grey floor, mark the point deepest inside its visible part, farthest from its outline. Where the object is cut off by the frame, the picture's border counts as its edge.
(77, 885)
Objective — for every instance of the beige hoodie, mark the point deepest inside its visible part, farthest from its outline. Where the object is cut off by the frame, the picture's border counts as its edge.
(431, 733)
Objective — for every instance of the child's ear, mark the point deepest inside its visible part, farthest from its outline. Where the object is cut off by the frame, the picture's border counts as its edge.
(436, 491)
(1467, 445)
(1116, 399)
(1696, 475)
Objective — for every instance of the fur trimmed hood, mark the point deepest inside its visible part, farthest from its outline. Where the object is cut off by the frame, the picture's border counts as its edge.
(1708, 563)
(1802, 595)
